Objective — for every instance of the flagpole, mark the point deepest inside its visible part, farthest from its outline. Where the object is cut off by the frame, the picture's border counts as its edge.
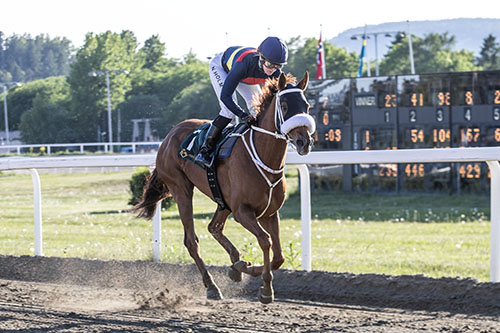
(412, 65)
(322, 52)
(320, 57)
(362, 55)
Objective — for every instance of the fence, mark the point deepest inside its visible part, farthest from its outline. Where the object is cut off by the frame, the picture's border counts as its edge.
(490, 155)
(127, 147)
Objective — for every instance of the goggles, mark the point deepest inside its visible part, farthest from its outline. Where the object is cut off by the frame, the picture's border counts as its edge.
(269, 64)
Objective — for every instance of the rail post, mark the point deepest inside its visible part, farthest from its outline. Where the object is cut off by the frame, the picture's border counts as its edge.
(157, 233)
(305, 215)
(37, 208)
(495, 221)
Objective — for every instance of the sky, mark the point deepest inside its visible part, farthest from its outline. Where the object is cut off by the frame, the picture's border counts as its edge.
(208, 27)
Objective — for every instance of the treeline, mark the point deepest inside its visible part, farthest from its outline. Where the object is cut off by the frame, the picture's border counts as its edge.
(63, 103)
(73, 108)
(23, 58)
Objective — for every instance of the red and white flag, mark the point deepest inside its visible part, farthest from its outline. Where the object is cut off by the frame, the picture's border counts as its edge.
(320, 60)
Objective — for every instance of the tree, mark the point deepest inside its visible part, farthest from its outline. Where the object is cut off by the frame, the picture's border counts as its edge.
(154, 55)
(167, 88)
(433, 53)
(489, 56)
(155, 66)
(21, 99)
(197, 100)
(141, 107)
(302, 58)
(47, 122)
(107, 51)
(23, 58)
(169, 84)
(46, 117)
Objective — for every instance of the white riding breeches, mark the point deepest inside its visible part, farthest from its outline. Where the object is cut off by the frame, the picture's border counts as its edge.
(218, 76)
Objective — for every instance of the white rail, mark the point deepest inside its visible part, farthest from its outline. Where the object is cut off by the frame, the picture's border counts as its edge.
(106, 146)
(490, 155)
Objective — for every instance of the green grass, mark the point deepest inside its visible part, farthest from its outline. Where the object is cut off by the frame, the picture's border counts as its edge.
(432, 234)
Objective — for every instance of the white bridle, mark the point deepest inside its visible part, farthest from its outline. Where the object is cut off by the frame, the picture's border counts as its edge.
(282, 129)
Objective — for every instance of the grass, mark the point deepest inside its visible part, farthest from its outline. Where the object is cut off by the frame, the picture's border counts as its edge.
(83, 216)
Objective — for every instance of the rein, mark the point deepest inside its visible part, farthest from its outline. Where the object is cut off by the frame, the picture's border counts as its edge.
(279, 135)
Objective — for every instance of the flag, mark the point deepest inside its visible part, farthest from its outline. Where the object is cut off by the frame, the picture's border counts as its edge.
(320, 60)
(362, 57)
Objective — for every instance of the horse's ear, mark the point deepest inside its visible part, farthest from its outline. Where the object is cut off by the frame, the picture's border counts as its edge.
(282, 82)
(304, 82)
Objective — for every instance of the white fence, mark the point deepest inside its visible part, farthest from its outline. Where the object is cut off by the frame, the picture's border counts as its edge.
(128, 147)
(490, 155)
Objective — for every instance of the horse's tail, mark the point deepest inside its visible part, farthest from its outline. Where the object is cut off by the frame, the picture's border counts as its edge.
(154, 191)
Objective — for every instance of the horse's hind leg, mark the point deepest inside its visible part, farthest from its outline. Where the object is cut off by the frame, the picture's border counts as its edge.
(216, 228)
(184, 201)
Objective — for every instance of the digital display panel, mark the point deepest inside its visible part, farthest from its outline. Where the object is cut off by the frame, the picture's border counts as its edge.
(435, 110)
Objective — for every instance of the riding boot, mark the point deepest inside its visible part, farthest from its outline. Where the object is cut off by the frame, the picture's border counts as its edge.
(207, 148)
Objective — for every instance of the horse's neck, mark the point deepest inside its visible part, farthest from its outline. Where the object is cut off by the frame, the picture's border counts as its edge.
(271, 150)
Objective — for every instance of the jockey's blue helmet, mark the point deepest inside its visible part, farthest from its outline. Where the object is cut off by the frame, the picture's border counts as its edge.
(274, 50)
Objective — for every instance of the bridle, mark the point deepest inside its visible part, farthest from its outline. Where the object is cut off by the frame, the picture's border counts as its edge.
(278, 115)
(278, 121)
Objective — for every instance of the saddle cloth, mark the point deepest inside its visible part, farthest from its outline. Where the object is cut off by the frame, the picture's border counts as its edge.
(191, 145)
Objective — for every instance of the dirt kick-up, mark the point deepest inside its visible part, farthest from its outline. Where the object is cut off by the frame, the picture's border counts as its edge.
(251, 180)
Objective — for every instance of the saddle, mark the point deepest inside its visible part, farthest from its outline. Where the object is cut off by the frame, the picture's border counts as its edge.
(191, 145)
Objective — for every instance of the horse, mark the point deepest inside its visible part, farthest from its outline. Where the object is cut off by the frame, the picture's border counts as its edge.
(251, 180)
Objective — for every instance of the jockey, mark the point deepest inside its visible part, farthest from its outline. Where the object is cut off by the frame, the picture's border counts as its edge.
(240, 69)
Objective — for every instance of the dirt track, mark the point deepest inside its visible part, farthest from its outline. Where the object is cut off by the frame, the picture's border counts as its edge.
(74, 295)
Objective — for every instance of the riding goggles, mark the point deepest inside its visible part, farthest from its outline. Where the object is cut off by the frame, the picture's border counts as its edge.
(269, 64)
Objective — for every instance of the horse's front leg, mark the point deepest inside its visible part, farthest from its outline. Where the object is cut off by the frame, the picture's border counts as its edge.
(216, 228)
(246, 216)
(272, 226)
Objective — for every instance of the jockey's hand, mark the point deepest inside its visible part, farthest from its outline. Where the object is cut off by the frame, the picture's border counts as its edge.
(249, 119)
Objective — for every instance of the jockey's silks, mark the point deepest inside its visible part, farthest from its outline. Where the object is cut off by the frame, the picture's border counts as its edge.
(241, 65)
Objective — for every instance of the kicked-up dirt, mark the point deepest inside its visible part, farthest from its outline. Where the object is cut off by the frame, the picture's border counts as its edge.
(75, 295)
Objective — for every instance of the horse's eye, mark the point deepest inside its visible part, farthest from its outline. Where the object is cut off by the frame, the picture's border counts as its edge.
(284, 107)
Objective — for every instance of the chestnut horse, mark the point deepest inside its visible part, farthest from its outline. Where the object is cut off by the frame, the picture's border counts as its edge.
(251, 180)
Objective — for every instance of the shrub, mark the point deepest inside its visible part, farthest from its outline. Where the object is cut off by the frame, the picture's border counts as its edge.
(137, 183)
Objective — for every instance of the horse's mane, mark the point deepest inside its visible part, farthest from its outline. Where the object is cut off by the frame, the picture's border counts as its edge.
(271, 87)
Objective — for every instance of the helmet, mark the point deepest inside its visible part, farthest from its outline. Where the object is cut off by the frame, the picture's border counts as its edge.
(274, 50)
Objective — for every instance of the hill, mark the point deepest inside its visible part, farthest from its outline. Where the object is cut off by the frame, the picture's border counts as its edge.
(469, 33)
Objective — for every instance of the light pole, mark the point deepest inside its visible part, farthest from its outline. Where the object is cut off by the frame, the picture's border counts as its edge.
(375, 35)
(6, 87)
(106, 72)
(412, 65)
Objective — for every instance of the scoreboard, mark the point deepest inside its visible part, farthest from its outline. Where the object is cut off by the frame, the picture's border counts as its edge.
(434, 110)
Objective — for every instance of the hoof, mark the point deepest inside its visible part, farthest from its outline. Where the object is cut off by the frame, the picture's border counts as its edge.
(234, 275)
(241, 266)
(264, 298)
(213, 293)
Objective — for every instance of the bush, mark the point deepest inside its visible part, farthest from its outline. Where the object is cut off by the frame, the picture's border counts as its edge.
(137, 183)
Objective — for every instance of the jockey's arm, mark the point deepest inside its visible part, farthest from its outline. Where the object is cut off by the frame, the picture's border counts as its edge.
(235, 75)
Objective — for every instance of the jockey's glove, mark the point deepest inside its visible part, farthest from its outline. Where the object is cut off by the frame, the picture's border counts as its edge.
(249, 119)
